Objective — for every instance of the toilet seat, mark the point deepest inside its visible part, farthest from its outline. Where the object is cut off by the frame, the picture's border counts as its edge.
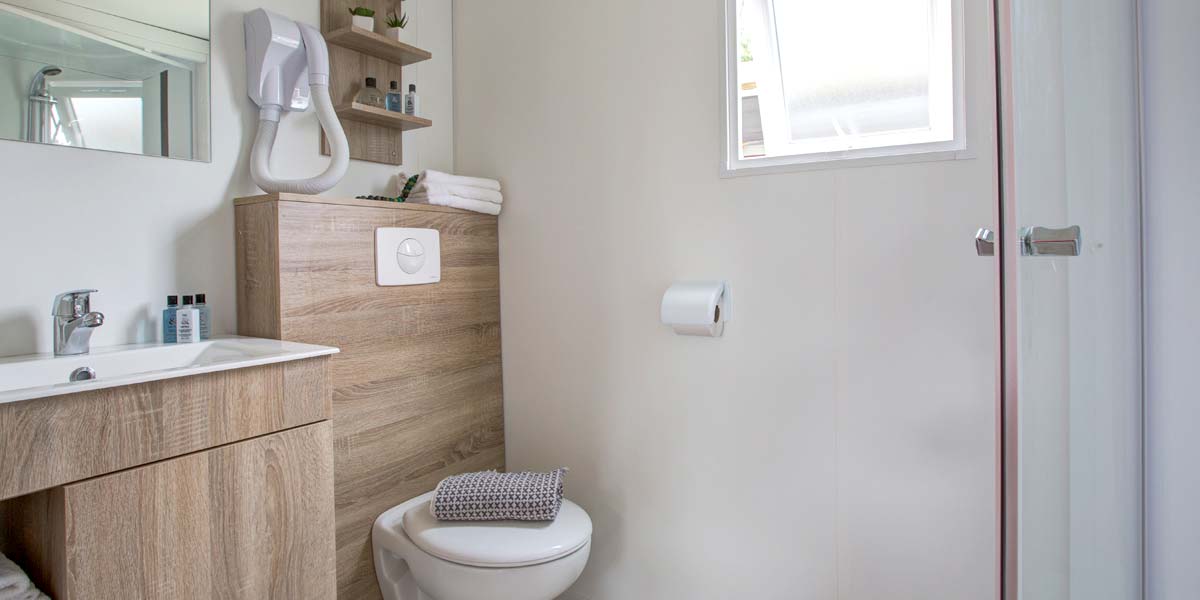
(541, 569)
(498, 544)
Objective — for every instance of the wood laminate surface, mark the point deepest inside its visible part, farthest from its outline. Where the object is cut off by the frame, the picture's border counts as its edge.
(417, 390)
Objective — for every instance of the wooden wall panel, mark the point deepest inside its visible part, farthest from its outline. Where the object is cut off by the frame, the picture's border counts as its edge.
(367, 142)
(57, 440)
(417, 386)
(257, 264)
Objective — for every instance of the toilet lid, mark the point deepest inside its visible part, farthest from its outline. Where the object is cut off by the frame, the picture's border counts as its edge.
(499, 543)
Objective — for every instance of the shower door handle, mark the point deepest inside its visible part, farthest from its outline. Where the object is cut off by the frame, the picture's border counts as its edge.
(1044, 241)
(985, 242)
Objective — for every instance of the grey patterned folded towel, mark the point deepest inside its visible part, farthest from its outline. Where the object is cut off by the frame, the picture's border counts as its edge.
(493, 496)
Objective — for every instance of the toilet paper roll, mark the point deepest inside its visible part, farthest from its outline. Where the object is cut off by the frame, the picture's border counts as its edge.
(696, 308)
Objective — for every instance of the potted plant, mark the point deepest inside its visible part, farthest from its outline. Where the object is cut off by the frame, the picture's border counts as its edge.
(397, 23)
(363, 18)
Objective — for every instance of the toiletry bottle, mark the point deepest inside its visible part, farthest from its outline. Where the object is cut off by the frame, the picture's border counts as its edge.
(370, 95)
(412, 104)
(205, 317)
(168, 324)
(394, 102)
(187, 322)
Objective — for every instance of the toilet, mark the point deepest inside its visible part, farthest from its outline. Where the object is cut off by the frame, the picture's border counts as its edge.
(418, 557)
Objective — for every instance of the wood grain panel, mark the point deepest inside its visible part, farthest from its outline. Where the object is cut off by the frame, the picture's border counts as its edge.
(372, 115)
(369, 42)
(289, 197)
(417, 386)
(58, 440)
(27, 525)
(314, 293)
(374, 327)
(257, 264)
(467, 240)
(250, 520)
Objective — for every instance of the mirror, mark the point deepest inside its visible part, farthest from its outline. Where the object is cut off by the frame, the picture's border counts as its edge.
(117, 75)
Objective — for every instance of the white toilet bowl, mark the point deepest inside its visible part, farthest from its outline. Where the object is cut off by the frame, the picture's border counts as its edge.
(418, 557)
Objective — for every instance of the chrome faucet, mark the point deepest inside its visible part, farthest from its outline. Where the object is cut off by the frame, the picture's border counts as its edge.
(74, 322)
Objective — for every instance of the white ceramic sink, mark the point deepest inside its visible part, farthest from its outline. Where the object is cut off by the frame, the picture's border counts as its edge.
(42, 375)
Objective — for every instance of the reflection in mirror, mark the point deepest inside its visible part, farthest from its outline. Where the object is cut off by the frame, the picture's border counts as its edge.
(118, 75)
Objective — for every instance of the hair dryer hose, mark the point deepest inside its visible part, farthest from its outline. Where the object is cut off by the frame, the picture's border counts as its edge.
(260, 156)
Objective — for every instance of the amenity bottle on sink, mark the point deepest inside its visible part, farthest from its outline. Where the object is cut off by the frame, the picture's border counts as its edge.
(205, 316)
(187, 322)
(168, 322)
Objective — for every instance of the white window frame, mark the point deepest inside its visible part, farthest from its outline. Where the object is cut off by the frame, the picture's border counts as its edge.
(733, 165)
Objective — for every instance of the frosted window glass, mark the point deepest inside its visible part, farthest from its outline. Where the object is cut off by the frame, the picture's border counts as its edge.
(835, 76)
(854, 66)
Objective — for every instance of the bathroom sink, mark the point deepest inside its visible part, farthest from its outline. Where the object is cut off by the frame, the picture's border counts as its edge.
(41, 375)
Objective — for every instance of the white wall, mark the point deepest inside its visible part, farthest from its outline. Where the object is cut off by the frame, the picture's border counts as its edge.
(1171, 79)
(139, 228)
(838, 442)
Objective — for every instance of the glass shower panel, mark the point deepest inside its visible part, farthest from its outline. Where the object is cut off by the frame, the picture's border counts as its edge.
(1072, 112)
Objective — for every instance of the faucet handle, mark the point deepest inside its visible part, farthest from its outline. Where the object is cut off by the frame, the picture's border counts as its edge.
(74, 303)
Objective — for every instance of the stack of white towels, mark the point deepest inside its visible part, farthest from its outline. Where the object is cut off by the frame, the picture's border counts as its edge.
(15, 584)
(468, 193)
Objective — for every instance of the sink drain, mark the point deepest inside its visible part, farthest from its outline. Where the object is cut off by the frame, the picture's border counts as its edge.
(82, 374)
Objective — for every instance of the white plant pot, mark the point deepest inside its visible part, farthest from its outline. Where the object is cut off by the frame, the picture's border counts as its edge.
(403, 35)
(361, 22)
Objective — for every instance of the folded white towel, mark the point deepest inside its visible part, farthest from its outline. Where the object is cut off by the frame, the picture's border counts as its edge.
(480, 206)
(13, 580)
(438, 177)
(462, 191)
(15, 584)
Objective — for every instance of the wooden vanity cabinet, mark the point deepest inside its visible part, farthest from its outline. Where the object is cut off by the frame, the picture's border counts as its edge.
(211, 486)
(249, 520)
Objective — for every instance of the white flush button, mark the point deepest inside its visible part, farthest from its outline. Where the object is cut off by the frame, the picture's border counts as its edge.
(407, 256)
(410, 256)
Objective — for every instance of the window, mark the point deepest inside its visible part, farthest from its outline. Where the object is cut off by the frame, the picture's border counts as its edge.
(103, 114)
(820, 80)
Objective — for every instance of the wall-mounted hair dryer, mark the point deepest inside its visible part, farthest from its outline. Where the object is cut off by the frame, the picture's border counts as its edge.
(287, 68)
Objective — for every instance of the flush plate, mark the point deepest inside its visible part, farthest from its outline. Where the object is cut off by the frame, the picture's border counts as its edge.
(407, 256)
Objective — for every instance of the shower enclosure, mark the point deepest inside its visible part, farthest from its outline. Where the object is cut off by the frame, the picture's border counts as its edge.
(1069, 250)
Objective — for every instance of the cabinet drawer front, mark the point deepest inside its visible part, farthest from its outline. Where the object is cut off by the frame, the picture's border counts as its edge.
(250, 520)
(53, 441)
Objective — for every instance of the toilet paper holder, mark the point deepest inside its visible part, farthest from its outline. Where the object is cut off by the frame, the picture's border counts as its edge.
(699, 308)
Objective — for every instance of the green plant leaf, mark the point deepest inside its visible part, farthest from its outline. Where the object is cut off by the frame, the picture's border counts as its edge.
(396, 21)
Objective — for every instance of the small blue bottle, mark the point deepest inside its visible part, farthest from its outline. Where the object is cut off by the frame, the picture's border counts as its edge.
(395, 102)
(205, 316)
(168, 322)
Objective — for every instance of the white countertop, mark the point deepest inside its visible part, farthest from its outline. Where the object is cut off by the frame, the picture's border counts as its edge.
(42, 375)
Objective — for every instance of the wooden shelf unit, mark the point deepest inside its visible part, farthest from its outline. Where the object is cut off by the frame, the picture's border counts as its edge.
(355, 54)
(378, 116)
(373, 44)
